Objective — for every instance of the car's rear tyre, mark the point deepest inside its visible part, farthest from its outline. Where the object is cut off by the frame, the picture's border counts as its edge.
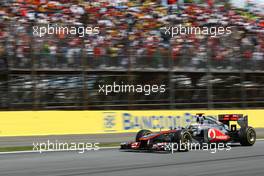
(142, 133)
(247, 136)
(183, 138)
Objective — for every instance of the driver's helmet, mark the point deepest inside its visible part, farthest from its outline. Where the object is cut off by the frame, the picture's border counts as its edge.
(200, 118)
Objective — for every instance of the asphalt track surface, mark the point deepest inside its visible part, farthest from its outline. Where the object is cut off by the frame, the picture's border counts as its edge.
(242, 161)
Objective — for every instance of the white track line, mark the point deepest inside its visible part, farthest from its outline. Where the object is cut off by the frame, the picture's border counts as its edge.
(260, 139)
(31, 151)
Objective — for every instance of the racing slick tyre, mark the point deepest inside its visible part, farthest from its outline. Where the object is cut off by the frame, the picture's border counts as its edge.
(247, 136)
(183, 138)
(142, 133)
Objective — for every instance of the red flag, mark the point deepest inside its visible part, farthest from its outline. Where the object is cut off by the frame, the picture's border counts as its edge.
(261, 24)
(210, 3)
(171, 2)
(23, 12)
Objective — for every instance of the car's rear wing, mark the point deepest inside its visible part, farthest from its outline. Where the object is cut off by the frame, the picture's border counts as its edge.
(239, 118)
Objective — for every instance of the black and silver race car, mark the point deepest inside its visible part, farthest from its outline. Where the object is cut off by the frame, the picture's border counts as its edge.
(204, 129)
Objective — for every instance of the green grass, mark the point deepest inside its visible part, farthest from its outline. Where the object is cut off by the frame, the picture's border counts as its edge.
(110, 144)
(13, 149)
(30, 148)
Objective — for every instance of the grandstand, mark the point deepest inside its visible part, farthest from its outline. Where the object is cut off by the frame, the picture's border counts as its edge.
(63, 72)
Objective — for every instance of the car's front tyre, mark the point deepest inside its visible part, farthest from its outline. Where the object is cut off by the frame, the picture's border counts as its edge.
(183, 139)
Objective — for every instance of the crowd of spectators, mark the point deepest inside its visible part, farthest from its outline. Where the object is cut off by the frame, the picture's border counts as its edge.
(130, 36)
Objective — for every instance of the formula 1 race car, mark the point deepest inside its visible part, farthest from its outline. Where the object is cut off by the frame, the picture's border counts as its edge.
(202, 129)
